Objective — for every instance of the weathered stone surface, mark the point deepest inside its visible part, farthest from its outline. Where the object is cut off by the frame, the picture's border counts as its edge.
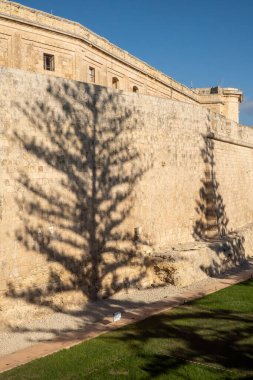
(94, 183)
(183, 265)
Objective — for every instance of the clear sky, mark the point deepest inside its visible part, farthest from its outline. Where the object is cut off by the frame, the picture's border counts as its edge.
(200, 43)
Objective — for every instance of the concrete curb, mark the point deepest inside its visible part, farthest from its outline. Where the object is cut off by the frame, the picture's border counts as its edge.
(93, 330)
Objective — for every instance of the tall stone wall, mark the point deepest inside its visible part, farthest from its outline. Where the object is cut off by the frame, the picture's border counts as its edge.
(233, 155)
(95, 181)
(235, 184)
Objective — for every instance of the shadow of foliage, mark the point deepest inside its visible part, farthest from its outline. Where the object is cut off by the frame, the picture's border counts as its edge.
(73, 213)
(213, 220)
(212, 224)
(218, 340)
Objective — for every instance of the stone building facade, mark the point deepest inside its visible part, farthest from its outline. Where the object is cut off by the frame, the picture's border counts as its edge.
(112, 174)
(39, 42)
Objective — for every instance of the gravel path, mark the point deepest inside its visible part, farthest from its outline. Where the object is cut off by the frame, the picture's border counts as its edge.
(28, 332)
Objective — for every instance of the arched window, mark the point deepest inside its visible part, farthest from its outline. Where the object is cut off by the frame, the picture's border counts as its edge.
(115, 83)
(135, 89)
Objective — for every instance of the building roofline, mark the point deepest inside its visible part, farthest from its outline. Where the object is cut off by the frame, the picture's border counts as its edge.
(121, 54)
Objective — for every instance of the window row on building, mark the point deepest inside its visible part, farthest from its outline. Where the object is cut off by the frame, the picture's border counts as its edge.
(49, 65)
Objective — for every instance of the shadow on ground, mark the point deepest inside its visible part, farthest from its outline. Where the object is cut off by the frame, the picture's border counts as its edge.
(210, 337)
(204, 332)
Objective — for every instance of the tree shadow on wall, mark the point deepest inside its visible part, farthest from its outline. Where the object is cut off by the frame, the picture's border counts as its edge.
(212, 224)
(82, 138)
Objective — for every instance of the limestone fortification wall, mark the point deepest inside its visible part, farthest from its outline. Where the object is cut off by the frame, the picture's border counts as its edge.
(94, 182)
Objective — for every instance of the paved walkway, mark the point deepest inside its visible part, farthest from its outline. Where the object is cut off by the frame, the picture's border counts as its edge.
(133, 314)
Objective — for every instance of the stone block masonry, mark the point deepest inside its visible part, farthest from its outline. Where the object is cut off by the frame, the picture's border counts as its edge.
(96, 182)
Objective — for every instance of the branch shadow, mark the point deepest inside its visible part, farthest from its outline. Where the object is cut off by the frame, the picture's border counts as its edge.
(82, 136)
(212, 226)
(214, 334)
(186, 337)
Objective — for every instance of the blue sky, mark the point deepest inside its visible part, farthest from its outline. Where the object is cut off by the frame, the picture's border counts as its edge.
(200, 43)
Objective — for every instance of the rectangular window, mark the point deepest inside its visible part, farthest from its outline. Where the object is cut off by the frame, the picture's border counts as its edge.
(91, 74)
(48, 62)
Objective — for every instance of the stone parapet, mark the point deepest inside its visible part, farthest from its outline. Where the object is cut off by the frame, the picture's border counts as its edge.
(224, 101)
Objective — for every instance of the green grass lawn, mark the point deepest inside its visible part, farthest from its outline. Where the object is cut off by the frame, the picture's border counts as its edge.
(211, 338)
